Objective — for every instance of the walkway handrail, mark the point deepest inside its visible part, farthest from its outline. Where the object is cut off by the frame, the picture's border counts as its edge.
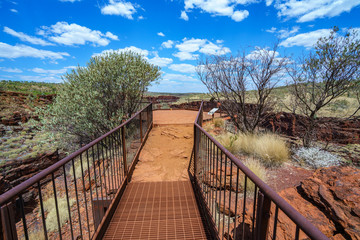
(265, 193)
(109, 158)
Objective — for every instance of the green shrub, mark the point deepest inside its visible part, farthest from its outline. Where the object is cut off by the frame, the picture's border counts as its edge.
(96, 98)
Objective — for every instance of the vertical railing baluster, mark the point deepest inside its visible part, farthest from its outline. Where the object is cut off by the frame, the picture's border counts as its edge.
(68, 203)
(99, 172)
(223, 228)
(56, 204)
(297, 232)
(244, 208)
(113, 153)
(141, 127)
(77, 197)
(218, 188)
(275, 222)
(254, 213)
(89, 174)
(124, 152)
(236, 201)
(231, 176)
(221, 156)
(42, 211)
(96, 190)
(104, 170)
(23, 217)
(84, 191)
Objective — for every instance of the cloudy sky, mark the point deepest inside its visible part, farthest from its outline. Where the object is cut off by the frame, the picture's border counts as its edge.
(41, 40)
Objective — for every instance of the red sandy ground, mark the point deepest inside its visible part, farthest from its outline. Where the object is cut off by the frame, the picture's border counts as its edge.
(166, 154)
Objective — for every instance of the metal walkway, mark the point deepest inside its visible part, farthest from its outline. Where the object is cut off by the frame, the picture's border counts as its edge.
(157, 210)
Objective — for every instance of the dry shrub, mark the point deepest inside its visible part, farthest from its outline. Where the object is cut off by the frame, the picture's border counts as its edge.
(270, 148)
(258, 169)
(229, 141)
(219, 122)
(51, 217)
(208, 127)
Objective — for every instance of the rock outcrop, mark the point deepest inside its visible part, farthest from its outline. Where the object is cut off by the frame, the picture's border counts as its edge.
(336, 130)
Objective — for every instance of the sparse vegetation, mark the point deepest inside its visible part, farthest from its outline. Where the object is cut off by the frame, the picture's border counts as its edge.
(256, 167)
(315, 157)
(219, 122)
(51, 217)
(269, 148)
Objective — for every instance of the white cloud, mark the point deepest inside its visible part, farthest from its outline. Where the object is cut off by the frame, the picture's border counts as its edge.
(14, 10)
(119, 7)
(137, 50)
(167, 44)
(284, 33)
(258, 52)
(269, 2)
(186, 56)
(41, 78)
(111, 36)
(74, 34)
(70, 1)
(161, 34)
(220, 8)
(10, 51)
(183, 67)
(179, 77)
(238, 16)
(213, 49)
(309, 10)
(140, 17)
(159, 61)
(11, 70)
(52, 71)
(26, 38)
(189, 46)
(305, 39)
(184, 16)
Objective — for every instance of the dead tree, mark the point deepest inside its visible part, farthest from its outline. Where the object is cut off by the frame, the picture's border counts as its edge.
(238, 81)
(324, 74)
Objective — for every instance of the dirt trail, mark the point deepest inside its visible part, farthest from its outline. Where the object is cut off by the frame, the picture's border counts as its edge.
(166, 154)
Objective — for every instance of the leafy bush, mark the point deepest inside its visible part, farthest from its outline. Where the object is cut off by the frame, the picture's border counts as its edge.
(315, 157)
(96, 98)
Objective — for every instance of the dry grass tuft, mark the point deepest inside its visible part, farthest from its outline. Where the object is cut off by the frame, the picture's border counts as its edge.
(229, 141)
(270, 148)
(219, 122)
(51, 217)
(256, 167)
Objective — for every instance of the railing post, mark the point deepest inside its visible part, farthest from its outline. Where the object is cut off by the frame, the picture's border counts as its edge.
(124, 150)
(7, 222)
(141, 133)
(262, 216)
(195, 151)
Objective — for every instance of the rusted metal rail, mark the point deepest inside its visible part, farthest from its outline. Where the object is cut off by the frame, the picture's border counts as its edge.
(236, 203)
(77, 196)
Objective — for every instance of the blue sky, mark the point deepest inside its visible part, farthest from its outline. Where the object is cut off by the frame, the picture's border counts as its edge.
(41, 40)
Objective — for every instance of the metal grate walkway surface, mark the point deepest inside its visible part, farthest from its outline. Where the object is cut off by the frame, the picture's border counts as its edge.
(157, 210)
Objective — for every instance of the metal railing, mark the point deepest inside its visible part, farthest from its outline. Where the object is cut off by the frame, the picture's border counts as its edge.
(77, 196)
(235, 202)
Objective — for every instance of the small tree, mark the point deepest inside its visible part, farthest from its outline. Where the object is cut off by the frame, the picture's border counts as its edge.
(325, 74)
(96, 98)
(237, 81)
